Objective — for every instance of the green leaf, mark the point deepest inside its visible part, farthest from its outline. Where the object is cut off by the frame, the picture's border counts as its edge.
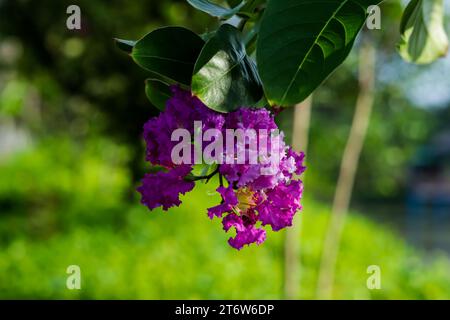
(203, 169)
(170, 52)
(158, 92)
(214, 9)
(156, 168)
(207, 35)
(302, 41)
(125, 45)
(233, 3)
(423, 36)
(225, 78)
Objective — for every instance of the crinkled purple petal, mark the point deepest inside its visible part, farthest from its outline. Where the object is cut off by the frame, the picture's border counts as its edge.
(245, 235)
(162, 189)
(229, 200)
(299, 159)
(280, 205)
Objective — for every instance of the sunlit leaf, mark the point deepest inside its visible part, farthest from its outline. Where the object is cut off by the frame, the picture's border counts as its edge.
(216, 10)
(125, 45)
(302, 41)
(225, 78)
(423, 36)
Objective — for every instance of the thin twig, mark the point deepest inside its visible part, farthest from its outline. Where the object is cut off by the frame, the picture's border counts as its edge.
(207, 177)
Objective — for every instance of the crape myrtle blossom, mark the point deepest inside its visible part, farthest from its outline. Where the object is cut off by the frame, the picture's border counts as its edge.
(162, 189)
(254, 194)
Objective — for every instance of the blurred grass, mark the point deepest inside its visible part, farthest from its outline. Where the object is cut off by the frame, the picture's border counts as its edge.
(63, 203)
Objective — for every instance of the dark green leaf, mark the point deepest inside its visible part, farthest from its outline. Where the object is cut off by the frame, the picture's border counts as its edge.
(233, 3)
(409, 10)
(225, 78)
(156, 168)
(302, 41)
(207, 35)
(125, 45)
(251, 36)
(250, 6)
(214, 9)
(423, 36)
(170, 52)
(157, 92)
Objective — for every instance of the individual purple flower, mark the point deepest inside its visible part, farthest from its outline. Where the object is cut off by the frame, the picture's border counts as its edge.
(280, 205)
(229, 200)
(299, 158)
(265, 172)
(157, 134)
(246, 233)
(162, 189)
(184, 109)
(247, 118)
(237, 209)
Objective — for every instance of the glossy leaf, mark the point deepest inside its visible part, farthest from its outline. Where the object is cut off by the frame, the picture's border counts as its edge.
(216, 10)
(233, 3)
(157, 93)
(170, 52)
(423, 36)
(225, 78)
(125, 45)
(302, 41)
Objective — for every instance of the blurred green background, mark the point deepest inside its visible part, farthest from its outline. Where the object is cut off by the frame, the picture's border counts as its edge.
(72, 108)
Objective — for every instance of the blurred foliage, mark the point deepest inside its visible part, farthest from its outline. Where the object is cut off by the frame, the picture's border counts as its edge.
(80, 74)
(126, 252)
(45, 189)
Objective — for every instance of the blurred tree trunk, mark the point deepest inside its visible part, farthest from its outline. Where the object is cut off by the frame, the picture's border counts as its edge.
(349, 165)
(292, 262)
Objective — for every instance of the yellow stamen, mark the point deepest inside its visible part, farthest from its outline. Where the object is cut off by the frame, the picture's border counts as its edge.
(246, 199)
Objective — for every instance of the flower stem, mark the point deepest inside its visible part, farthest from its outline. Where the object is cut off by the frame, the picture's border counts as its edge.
(241, 24)
(207, 177)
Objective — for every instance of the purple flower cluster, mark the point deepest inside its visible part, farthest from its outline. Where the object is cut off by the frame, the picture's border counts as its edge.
(162, 189)
(181, 111)
(255, 195)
